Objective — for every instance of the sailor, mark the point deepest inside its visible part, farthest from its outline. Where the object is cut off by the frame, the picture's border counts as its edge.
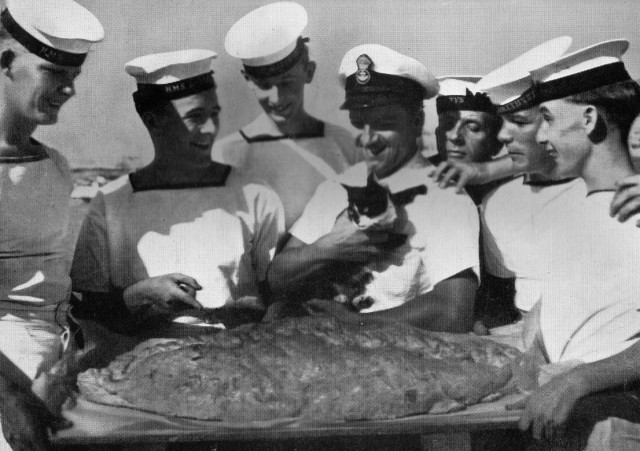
(286, 147)
(588, 323)
(513, 223)
(429, 278)
(42, 48)
(175, 237)
(467, 120)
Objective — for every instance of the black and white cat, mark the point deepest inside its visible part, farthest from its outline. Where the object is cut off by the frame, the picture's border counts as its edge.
(372, 206)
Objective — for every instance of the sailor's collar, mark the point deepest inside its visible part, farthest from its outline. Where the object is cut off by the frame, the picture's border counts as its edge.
(412, 174)
(264, 129)
(40, 153)
(528, 180)
(218, 177)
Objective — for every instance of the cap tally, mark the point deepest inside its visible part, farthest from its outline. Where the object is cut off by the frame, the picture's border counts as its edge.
(458, 92)
(510, 86)
(583, 70)
(267, 40)
(171, 75)
(59, 31)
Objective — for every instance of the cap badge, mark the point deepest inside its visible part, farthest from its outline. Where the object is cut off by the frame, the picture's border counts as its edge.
(362, 75)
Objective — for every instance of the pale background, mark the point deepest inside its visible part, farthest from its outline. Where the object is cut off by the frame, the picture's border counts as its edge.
(99, 127)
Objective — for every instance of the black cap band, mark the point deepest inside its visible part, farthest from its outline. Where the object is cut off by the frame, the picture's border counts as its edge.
(582, 82)
(473, 102)
(380, 89)
(528, 99)
(149, 95)
(279, 67)
(38, 48)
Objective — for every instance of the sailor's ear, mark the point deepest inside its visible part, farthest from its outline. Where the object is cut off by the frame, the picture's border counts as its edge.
(594, 124)
(310, 71)
(6, 60)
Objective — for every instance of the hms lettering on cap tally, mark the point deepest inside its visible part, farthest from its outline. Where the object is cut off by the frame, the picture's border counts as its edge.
(171, 75)
(58, 31)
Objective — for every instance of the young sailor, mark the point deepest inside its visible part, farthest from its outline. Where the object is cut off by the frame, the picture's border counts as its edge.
(42, 48)
(286, 147)
(176, 235)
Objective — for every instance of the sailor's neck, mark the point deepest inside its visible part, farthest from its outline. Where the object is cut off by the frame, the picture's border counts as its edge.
(607, 164)
(15, 136)
(304, 125)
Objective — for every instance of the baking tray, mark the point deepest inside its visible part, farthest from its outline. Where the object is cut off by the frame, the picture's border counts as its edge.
(98, 424)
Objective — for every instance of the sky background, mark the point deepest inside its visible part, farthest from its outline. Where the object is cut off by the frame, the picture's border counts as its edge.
(100, 128)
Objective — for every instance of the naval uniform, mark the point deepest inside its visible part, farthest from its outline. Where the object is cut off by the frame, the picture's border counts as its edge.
(292, 166)
(223, 235)
(442, 229)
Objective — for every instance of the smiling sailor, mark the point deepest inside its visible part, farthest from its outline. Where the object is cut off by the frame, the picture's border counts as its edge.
(428, 279)
(285, 146)
(174, 235)
(42, 48)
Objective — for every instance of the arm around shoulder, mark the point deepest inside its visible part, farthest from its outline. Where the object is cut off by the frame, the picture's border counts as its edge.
(461, 173)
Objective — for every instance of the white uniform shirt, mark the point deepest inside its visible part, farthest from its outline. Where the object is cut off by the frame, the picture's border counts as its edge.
(590, 302)
(514, 221)
(34, 218)
(292, 167)
(223, 236)
(442, 229)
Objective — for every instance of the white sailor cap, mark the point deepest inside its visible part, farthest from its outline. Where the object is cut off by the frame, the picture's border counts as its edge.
(267, 39)
(170, 75)
(457, 85)
(459, 92)
(583, 70)
(374, 75)
(510, 86)
(59, 31)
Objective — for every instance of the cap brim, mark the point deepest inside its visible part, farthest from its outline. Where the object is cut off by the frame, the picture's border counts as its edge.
(373, 101)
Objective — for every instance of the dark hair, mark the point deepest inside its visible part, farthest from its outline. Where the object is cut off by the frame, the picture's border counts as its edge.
(157, 107)
(495, 124)
(8, 42)
(416, 109)
(617, 103)
(305, 58)
(146, 104)
(9, 48)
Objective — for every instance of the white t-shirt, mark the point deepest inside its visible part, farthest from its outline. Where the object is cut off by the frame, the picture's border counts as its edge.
(442, 229)
(590, 300)
(292, 167)
(514, 221)
(34, 218)
(223, 236)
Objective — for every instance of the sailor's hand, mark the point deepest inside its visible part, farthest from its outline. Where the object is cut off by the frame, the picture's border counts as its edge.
(459, 174)
(168, 293)
(346, 242)
(547, 409)
(626, 201)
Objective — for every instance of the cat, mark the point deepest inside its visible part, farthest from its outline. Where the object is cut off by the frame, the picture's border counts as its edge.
(371, 207)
